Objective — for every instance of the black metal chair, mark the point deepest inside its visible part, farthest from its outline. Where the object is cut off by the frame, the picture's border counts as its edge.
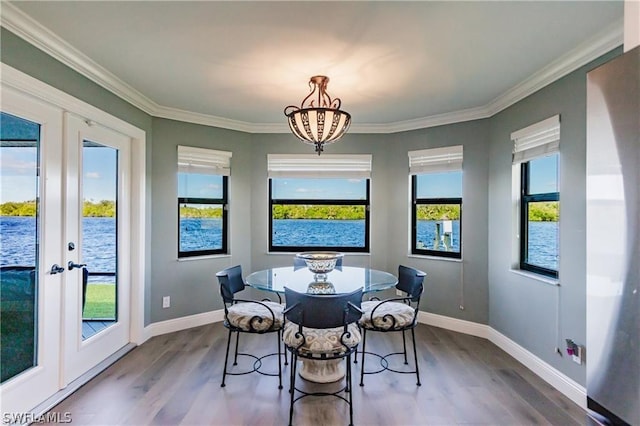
(248, 316)
(322, 328)
(396, 314)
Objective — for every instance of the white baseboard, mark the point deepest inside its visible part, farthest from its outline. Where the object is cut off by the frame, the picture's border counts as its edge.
(182, 323)
(567, 386)
(555, 378)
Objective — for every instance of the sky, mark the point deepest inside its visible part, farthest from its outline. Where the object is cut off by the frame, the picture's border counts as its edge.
(18, 174)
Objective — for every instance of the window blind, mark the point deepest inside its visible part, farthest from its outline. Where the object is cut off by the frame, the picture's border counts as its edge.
(203, 161)
(314, 166)
(448, 158)
(538, 140)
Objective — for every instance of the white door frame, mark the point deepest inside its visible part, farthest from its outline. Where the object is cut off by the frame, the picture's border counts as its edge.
(18, 81)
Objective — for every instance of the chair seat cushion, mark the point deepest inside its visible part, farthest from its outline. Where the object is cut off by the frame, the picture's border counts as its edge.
(254, 317)
(389, 316)
(320, 342)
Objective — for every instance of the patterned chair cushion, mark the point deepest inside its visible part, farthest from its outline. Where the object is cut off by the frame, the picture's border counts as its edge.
(320, 341)
(401, 312)
(240, 316)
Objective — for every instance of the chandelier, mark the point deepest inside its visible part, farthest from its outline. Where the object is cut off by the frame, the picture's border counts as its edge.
(318, 121)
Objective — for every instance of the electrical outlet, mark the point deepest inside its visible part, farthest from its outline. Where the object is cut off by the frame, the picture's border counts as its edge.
(166, 302)
(578, 355)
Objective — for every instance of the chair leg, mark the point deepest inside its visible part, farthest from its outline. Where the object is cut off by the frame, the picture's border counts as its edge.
(404, 347)
(415, 355)
(226, 358)
(294, 362)
(284, 350)
(350, 396)
(279, 360)
(235, 358)
(364, 341)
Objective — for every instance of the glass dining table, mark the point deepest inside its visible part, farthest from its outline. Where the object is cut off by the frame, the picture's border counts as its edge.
(345, 279)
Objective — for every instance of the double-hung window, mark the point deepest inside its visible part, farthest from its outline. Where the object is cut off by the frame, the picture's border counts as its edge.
(202, 201)
(319, 202)
(436, 214)
(535, 158)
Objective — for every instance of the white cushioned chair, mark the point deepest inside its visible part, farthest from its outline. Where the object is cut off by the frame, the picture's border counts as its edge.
(393, 315)
(322, 328)
(248, 316)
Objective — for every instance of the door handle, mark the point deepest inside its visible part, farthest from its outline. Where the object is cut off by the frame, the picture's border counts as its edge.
(56, 269)
(72, 265)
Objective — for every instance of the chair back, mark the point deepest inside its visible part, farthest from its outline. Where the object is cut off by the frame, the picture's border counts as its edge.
(231, 282)
(410, 280)
(323, 311)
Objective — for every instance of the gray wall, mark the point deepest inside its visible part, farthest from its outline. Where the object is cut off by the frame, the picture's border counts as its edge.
(191, 283)
(449, 283)
(534, 314)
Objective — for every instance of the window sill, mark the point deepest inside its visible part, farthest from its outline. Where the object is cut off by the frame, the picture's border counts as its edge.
(206, 256)
(537, 277)
(428, 257)
(293, 253)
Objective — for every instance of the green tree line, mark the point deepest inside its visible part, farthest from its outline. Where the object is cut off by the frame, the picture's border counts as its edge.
(538, 212)
(102, 208)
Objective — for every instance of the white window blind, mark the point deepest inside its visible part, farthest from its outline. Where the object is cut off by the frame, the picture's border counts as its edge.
(538, 140)
(314, 166)
(203, 161)
(448, 158)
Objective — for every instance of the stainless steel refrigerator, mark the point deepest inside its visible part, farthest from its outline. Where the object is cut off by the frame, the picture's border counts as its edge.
(613, 240)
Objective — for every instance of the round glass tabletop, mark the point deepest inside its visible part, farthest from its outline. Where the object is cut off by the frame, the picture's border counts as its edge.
(341, 280)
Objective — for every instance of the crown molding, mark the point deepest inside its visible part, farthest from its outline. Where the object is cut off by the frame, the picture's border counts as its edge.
(44, 39)
(34, 33)
(603, 42)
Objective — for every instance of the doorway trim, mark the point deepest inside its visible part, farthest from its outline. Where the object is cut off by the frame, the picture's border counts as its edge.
(24, 83)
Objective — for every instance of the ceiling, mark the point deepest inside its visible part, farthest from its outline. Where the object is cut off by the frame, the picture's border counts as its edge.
(395, 65)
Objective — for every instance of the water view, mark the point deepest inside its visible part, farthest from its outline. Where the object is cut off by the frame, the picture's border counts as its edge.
(18, 238)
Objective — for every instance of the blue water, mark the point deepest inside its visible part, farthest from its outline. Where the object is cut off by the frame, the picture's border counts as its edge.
(200, 234)
(18, 244)
(17, 238)
(318, 233)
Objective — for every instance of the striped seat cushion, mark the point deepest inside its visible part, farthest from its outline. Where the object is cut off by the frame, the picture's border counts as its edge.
(389, 316)
(319, 342)
(249, 316)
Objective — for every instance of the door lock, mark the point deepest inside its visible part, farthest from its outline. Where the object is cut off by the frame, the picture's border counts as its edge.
(56, 269)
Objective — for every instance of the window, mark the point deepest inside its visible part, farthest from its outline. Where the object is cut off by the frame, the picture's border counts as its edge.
(202, 201)
(319, 203)
(536, 158)
(436, 214)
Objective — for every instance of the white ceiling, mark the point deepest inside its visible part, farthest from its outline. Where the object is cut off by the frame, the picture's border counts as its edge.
(392, 63)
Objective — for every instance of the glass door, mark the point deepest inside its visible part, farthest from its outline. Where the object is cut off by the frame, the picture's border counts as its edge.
(31, 261)
(97, 238)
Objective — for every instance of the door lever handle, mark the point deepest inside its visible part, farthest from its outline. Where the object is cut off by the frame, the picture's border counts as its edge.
(73, 266)
(56, 269)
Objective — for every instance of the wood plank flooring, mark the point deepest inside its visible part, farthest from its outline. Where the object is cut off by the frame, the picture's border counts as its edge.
(174, 379)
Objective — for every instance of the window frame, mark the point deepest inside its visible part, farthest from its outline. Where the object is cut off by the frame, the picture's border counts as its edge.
(525, 200)
(415, 201)
(332, 202)
(224, 201)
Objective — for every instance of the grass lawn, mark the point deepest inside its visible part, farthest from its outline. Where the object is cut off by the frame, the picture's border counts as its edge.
(101, 301)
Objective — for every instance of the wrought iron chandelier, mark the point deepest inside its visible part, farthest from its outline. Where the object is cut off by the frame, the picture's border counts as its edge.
(318, 121)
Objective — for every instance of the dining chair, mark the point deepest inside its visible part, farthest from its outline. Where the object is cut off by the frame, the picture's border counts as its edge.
(248, 316)
(322, 328)
(397, 314)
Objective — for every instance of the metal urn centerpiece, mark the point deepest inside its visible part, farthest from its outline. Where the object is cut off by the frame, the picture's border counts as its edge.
(320, 263)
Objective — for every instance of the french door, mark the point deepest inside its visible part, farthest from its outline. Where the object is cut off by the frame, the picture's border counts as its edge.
(96, 290)
(65, 248)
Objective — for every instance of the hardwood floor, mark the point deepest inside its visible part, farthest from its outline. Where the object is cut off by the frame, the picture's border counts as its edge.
(174, 379)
